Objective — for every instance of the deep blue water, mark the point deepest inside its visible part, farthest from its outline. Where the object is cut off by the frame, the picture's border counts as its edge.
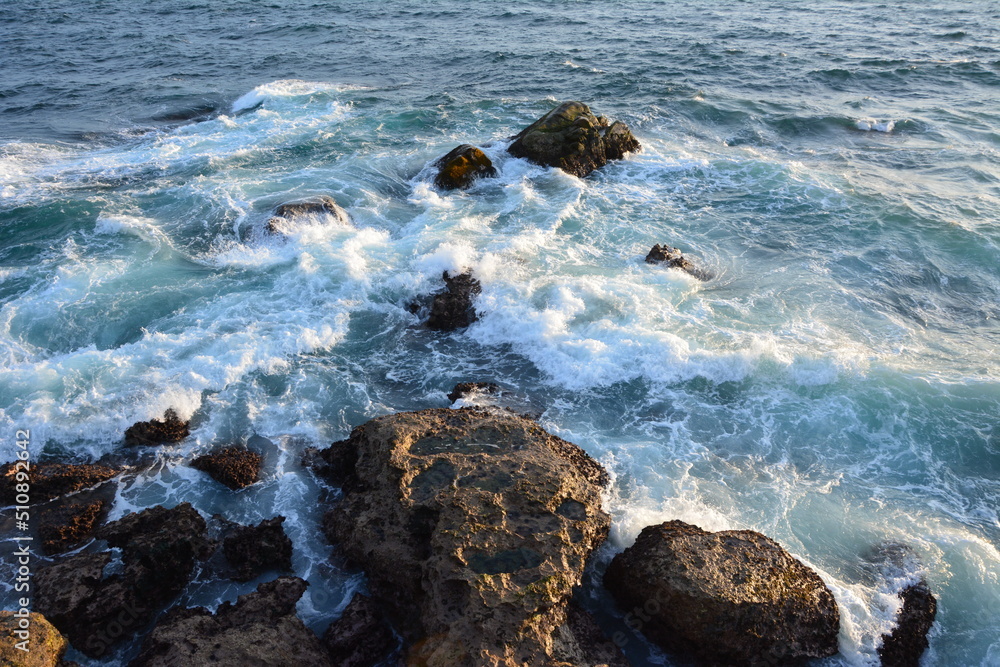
(837, 385)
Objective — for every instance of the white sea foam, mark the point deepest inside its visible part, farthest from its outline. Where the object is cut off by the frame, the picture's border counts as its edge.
(870, 124)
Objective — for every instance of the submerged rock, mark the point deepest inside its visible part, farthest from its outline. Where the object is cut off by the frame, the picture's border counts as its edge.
(261, 629)
(159, 548)
(460, 167)
(52, 480)
(158, 432)
(235, 467)
(572, 138)
(469, 389)
(673, 259)
(452, 308)
(361, 637)
(45, 646)
(321, 206)
(252, 550)
(473, 526)
(898, 566)
(732, 597)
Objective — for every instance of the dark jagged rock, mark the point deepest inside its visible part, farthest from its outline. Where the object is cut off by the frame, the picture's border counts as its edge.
(908, 640)
(452, 308)
(158, 552)
(672, 258)
(52, 480)
(252, 550)
(235, 467)
(157, 431)
(261, 629)
(45, 646)
(467, 389)
(460, 167)
(473, 526)
(584, 643)
(732, 597)
(361, 636)
(321, 206)
(572, 138)
(65, 526)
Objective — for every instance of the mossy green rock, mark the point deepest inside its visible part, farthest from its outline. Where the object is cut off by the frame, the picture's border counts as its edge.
(45, 645)
(474, 527)
(461, 167)
(572, 138)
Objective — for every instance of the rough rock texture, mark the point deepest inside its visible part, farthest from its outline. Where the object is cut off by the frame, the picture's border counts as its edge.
(452, 308)
(360, 637)
(156, 431)
(66, 526)
(261, 629)
(908, 640)
(572, 138)
(313, 206)
(460, 167)
(672, 258)
(467, 389)
(252, 550)
(44, 643)
(473, 526)
(732, 597)
(51, 480)
(235, 467)
(159, 549)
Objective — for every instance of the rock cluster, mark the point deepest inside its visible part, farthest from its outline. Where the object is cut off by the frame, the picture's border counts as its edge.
(260, 629)
(461, 167)
(572, 138)
(156, 431)
(235, 467)
(452, 308)
(473, 526)
(733, 598)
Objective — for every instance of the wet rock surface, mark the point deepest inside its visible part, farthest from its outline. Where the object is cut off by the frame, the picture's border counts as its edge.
(728, 598)
(65, 525)
(253, 550)
(673, 259)
(361, 637)
(323, 207)
(461, 167)
(452, 308)
(260, 629)
(472, 389)
(235, 467)
(572, 138)
(52, 480)
(44, 643)
(159, 548)
(473, 526)
(908, 640)
(158, 431)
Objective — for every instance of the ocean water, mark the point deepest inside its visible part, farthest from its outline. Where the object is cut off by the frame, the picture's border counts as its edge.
(836, 165)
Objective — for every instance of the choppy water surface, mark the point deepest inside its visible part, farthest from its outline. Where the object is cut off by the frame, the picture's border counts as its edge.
(837, 385)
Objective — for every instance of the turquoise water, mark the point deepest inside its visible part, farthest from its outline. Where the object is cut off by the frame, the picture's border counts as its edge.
(835, 386)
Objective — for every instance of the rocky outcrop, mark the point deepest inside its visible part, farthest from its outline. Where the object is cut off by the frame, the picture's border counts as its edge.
(253, 550)
(43, 645)
(159, 548)
(572, 138)
(261, 629)
(52, 480)
(471, 389)
(908, 640)
(461, 167)
(673, 259)
(158, 431)
(452, 307)
(732, 597)
(235, 467)
(473, 526)
(67, 525)
(322, 207)
(361, 637)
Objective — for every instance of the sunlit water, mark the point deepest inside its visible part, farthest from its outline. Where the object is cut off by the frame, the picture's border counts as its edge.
(836, 165)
